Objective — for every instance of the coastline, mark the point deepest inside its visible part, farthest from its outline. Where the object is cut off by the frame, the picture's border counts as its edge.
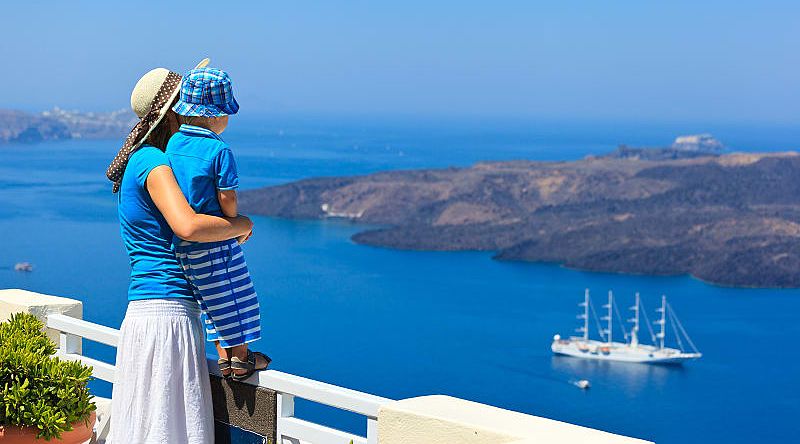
(730, 220)
(508, 311)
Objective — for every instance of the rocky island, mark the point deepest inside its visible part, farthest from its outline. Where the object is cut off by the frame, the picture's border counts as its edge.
(730, 219)
(59, 124)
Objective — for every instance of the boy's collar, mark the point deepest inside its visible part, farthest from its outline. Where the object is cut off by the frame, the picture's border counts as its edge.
(198, 131)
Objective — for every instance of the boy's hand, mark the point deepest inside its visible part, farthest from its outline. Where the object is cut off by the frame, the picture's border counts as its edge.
(244, 238)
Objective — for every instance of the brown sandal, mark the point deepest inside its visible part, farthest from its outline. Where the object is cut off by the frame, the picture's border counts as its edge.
(249, 365)
(224, 364)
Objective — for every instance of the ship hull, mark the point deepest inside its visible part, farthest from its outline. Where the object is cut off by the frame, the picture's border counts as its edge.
(621, 352)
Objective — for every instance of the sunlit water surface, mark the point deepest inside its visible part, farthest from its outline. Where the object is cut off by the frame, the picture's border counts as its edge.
(402, 324)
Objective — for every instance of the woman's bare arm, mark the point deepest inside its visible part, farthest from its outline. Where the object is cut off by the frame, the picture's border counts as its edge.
(185, 223)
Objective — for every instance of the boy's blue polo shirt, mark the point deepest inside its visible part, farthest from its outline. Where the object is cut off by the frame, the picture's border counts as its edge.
(202, 163)
(155, 272)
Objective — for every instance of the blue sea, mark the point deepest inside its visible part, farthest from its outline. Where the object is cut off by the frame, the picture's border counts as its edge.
(401, 323)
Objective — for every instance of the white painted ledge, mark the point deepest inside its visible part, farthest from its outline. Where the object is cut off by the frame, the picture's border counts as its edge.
(39, 305)
(445, 420)
(424, 420)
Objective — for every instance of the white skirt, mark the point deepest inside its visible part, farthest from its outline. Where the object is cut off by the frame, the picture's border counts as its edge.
(162, 392)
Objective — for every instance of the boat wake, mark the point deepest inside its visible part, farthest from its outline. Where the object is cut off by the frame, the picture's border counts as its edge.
(573, 381)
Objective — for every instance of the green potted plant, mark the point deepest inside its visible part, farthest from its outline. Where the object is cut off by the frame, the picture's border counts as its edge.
(41, 396)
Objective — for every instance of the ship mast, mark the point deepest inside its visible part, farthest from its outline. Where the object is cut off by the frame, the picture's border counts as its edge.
(585, 316)
(635, 320)
(663, 321)
(609, 317)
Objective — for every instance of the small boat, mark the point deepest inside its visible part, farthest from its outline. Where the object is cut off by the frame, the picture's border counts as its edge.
(631, 350)
(582, 384)
(23, 266)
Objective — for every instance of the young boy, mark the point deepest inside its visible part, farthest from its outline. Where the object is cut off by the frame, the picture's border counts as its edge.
(206, 172)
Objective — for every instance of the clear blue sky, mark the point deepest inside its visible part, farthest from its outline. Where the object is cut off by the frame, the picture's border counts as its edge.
(624, 60)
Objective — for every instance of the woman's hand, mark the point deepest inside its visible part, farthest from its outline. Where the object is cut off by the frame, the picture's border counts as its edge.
(185, 223)
(245, 238)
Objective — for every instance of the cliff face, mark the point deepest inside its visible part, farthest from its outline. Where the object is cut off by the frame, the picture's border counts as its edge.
(17, 126)
(58, 124)
(731, 220)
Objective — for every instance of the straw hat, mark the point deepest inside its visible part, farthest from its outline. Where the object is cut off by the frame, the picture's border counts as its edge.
(151, 98)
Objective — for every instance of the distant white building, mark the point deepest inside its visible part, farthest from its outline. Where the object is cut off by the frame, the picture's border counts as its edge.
(697, 142)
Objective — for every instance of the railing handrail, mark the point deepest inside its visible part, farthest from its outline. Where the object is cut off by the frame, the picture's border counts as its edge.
(333, 395)
(85, 329)
(321, 392)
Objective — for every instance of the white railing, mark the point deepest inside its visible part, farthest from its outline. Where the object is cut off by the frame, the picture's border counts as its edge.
(290, 429)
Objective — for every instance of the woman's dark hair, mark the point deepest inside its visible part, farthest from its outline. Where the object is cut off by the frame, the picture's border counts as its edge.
(161, 133)
(165, 128)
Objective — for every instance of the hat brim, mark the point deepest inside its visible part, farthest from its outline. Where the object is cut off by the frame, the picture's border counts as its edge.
(142, 130)
(198, 110)
(163, 111)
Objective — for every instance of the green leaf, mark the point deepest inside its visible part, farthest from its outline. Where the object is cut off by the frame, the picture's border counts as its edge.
(38, 389)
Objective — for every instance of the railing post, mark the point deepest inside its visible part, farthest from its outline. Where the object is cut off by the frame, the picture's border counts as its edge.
(69, 343)
(285, 409)
(372, 431)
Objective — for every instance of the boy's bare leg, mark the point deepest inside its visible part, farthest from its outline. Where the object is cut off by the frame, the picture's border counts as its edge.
(223, 353)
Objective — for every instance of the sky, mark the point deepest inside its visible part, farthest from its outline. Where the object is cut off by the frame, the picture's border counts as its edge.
(710, 61)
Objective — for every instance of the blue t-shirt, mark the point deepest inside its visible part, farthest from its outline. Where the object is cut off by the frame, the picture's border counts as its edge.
(202, 163)
(155, 272)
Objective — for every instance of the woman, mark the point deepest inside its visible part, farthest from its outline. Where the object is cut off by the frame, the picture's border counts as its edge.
(161, 393)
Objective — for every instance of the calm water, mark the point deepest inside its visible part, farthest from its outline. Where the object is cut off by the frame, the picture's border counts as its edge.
(403, 324)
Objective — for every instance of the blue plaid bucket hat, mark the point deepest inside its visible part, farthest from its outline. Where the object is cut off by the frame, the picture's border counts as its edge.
(206, 92)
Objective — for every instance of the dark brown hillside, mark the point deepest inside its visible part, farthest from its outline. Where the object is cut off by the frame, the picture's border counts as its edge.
(731, 220)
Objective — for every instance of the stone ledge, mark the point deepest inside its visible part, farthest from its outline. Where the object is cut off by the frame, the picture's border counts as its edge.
(39, 305)
(245, 406)
(441, 419)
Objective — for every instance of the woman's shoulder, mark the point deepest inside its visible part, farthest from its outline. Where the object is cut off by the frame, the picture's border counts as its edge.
(148, 151)
(148, 155)
(144, 160)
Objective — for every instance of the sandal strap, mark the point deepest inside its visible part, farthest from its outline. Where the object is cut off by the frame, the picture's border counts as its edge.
(250, 363)
(249, 366)
(224, 364)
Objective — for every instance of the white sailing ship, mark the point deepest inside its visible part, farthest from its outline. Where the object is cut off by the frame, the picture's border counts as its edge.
(631, 350)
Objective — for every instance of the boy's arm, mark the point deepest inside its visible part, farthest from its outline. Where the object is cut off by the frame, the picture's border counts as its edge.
(227, 202)
(187, 224)
(227, 181)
